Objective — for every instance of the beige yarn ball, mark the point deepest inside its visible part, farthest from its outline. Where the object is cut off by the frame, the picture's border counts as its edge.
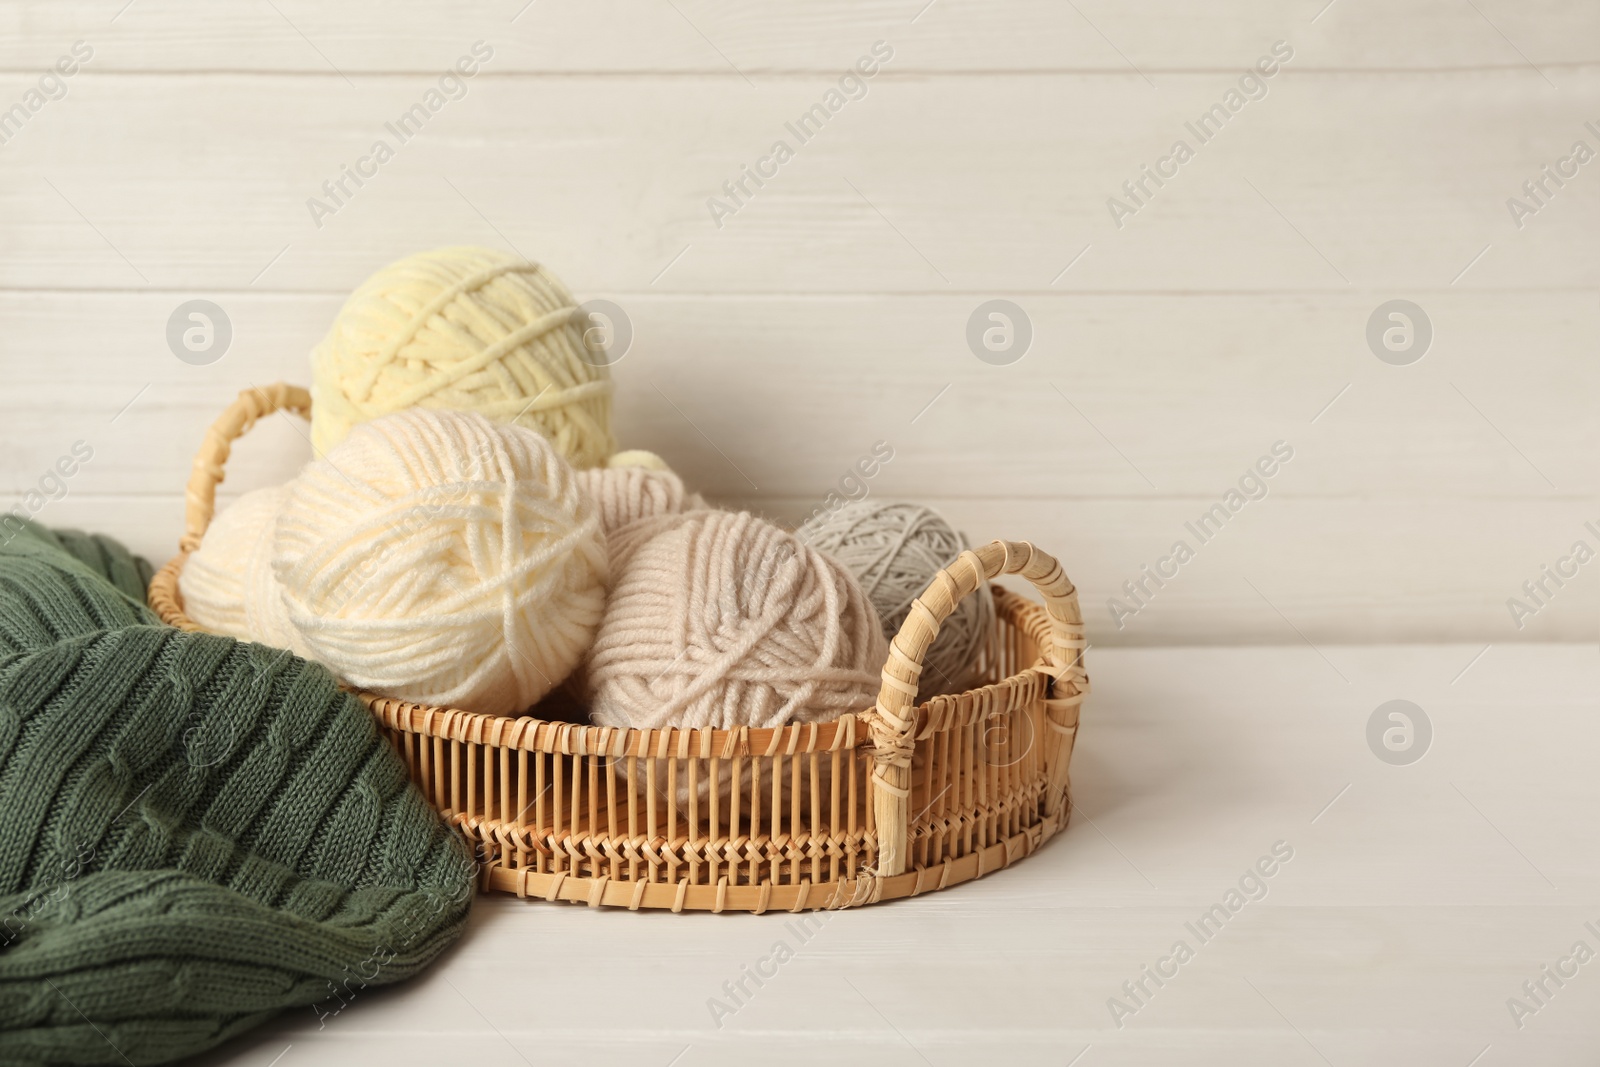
(465, 329)
(894, 550)
(626, 494)
(440, 558)
(719, 619)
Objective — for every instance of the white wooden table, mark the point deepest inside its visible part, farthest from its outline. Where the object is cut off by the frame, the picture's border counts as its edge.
(1418, 900)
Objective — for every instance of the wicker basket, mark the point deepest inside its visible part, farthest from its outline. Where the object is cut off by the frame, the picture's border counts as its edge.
(888, 802)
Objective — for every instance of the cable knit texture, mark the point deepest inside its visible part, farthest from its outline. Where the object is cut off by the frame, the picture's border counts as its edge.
(718, 619)
(194, 833)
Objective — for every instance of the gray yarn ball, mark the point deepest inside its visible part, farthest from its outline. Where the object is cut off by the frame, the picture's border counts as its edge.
(894, 550)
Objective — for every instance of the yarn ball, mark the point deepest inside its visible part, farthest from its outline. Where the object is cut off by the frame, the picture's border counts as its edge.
(626, 494)
(719, 619)
(234, 555)
(228, 584)
(432, 556)
(894, 550)
(638, 457)
(465, 329)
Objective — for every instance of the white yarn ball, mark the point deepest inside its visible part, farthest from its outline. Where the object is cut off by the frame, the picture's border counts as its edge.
(718, 619)
(894, 550)
(436, 557)
(232, 556)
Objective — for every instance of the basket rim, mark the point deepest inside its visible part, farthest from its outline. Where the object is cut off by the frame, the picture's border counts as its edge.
(529, 732)
(533, 734)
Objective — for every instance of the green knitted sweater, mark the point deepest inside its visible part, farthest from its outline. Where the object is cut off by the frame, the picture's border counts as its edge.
(195, 833)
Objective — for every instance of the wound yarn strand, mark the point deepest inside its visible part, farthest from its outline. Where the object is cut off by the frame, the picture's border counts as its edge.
(720, 619)
(432, 556)
(465, 329)
(894, 550)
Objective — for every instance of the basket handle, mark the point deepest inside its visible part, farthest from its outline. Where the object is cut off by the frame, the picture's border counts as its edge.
(893, 720)
(200, 497)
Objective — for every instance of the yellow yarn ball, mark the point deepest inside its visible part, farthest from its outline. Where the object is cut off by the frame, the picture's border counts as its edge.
(465, 329)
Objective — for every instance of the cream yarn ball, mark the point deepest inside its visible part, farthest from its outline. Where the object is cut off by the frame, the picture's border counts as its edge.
(228, 585)
(432, 556)
(719, 619)
(465, 329)
(231, 569)
(638, 457)
(894, 550)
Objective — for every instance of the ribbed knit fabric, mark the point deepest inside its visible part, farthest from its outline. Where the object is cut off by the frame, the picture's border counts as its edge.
(195, 833)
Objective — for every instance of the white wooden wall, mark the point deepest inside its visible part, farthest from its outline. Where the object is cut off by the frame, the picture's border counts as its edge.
(772, 351)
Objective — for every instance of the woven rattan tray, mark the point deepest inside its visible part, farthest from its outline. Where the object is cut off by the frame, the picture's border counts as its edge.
(888, 802)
